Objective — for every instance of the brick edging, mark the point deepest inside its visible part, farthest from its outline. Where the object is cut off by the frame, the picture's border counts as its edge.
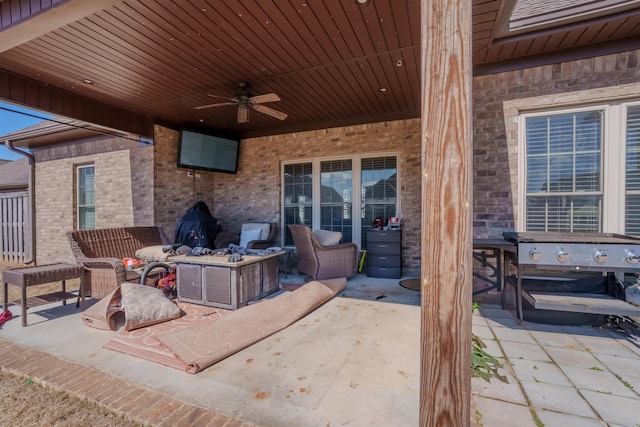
(133, 402)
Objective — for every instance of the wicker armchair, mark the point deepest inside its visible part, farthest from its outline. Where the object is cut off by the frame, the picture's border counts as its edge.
(323, 262)
(101, 253)
(225, 238)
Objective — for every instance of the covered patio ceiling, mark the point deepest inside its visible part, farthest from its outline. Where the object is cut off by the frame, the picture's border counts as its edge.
(128, 64)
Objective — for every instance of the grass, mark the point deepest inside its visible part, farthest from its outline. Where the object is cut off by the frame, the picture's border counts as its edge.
(25, 403)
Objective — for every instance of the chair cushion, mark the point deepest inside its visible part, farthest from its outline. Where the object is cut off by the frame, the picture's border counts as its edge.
(154, 253)
(265, 228)
(250, 227)
(327, 237)
(146, 305)
(248, 235)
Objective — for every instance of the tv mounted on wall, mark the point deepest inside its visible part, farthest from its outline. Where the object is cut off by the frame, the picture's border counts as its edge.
(207, 151)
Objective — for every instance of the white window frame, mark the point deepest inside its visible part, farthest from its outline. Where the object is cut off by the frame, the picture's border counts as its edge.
(613, 160)
(356, 162)
(78, 190)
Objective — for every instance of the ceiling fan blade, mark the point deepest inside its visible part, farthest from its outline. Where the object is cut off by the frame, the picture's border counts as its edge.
(232, 99)
(267, 97)
(220, 104)
(243, 114)
(269, 111)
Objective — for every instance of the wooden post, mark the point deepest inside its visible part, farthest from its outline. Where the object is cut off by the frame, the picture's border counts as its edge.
(445, 384)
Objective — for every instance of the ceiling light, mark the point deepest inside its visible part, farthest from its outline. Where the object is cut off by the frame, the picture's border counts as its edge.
(87, 81)
(362, 2)
(383, 89)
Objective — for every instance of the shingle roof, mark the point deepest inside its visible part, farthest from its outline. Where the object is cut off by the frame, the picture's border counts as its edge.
(15, 174)
(535, 12)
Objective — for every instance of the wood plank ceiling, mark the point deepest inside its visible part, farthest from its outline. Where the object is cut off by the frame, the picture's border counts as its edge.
(332, 62)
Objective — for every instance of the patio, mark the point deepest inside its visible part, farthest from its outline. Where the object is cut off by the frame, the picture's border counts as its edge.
(353, 361)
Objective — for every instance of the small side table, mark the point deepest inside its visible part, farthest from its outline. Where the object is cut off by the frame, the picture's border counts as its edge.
(39, 275)
(286, 268)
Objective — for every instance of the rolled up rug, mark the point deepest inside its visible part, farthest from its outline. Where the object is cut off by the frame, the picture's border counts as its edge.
(201, 347)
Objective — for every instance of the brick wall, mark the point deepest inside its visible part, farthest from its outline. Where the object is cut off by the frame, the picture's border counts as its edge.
(254, 193)
(124, 178)
(499, 98)
(174, 190)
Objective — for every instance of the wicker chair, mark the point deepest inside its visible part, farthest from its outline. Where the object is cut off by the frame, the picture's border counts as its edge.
(225, 238)
(101, 253)
(323, 262)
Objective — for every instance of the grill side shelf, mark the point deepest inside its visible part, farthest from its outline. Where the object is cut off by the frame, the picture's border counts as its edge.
(581, 303)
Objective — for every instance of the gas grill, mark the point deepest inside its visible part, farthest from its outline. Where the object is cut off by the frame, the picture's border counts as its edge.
(573, 252)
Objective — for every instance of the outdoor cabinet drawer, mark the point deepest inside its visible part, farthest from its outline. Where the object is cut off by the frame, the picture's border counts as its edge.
(379, 248)
(383, 260)
(189, 283)
(384, 272)
(217, 285)
(384, 236)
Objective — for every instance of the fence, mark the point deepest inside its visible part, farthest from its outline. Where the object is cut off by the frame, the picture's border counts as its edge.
(15, 245)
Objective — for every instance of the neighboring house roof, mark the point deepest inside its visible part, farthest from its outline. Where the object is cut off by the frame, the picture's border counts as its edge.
(14, 175)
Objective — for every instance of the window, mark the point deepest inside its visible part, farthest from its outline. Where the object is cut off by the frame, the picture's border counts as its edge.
(86, 198)
(320, 194)
(581, 173)
(632, 172)
(564, 192)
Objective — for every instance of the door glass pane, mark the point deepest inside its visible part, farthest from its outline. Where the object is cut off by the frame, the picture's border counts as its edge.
(379, 191)
(336, 186)
(298, 193)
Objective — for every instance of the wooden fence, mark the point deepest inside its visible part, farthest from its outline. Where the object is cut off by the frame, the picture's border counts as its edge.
(15, 245)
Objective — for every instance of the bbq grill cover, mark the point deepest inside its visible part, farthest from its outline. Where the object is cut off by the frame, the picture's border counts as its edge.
(197, 227)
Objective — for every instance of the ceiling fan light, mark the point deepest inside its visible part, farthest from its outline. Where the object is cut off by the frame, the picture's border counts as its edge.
(243, 114)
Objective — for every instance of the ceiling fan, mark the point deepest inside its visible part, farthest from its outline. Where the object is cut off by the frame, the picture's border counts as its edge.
(245, 101)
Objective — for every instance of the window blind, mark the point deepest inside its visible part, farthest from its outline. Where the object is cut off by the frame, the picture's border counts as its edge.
(563, 179)
(632, 174)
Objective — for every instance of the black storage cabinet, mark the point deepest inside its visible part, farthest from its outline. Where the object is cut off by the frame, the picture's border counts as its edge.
(384, 254)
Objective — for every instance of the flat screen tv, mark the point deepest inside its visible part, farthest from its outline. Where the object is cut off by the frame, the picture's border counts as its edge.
(208, 151)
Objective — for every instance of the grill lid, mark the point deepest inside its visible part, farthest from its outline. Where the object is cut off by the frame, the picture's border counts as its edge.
(588, 238)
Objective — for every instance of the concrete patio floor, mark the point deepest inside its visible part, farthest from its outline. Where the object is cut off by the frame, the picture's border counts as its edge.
(354, 361)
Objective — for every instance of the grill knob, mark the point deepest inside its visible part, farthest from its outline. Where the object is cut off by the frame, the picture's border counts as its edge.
(534, 254)
(631, 257)
(562, 255)
(600, 256)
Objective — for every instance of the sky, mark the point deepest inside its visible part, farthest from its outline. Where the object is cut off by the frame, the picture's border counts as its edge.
(13, 118)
